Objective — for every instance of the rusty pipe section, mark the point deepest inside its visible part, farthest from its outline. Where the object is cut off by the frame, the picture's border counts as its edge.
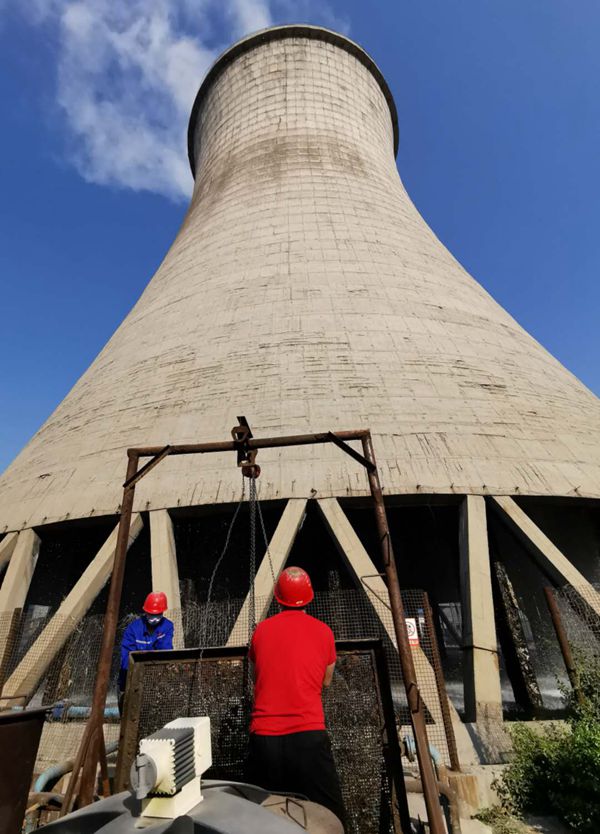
(253, 443)
(91, 747)
(92, 743)
(441, 686)
(409, 676)
(563, 642)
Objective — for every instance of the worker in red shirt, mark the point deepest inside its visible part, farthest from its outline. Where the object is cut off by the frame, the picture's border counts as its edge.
(294, 658)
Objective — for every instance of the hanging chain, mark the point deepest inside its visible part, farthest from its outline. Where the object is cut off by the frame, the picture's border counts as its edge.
(265, 539)
(204, 630)
(219, 560)
(252, 595)
(254, 508)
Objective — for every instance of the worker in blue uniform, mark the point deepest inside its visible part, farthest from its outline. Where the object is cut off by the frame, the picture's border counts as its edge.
(147, 633)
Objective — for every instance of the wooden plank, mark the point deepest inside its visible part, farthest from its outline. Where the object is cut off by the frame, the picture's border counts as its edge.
(279, 549)
(165, 574)
(73, 608)
(483, 693)
(549, 558)
(358, 560)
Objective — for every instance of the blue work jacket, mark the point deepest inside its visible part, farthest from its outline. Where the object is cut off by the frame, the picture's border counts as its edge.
(137, 637)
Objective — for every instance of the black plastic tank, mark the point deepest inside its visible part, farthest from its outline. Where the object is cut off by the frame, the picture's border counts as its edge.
(226, 808)
(20, 733)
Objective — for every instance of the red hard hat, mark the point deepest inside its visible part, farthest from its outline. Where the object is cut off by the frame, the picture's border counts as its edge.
(293, 588)
(155, 603)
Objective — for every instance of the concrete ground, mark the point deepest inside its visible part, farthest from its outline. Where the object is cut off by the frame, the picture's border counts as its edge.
(416, 806)
(531, 825)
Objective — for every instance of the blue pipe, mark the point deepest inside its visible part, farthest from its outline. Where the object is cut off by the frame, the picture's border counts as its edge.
(61, 711)
(51, 775)
(409, 744)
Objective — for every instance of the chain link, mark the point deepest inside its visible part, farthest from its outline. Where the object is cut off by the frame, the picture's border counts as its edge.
(204, 640)
(265, 539)
(252, 594)
(254, 509)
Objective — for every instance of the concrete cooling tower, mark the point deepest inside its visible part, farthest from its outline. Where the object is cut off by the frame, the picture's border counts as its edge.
(305, 291)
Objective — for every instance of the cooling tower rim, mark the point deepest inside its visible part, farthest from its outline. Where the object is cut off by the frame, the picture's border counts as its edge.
(275, 33)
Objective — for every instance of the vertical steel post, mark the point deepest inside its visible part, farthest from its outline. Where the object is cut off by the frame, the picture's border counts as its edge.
(111, 619)
(413, 696)
(563, 642)
(440, 684)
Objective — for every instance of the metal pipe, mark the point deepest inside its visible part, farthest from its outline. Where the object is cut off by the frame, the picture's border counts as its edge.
(441, 685)
(46, 780)
(91, 743)
(252, 443)
(43, 798)
(73, 781)
(413, 696)
(111, 618)
(147, 466)
(61, 712)
(564, 644)
(410, 749)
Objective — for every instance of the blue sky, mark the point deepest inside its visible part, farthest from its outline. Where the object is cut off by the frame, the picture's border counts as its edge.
(499, 148)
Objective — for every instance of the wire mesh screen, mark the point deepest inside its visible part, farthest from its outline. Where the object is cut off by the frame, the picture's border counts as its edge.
(52, 660)
(578, 607)
(355, 615)
(352, 615)
(217, 685)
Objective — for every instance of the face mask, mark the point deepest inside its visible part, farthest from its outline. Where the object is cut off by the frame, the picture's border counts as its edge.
(153, 620)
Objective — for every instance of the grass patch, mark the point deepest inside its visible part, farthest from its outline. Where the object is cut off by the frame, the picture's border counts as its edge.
(501, 821)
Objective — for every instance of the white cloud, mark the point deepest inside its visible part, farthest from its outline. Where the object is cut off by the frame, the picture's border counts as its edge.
(249, 16)
(128, 71)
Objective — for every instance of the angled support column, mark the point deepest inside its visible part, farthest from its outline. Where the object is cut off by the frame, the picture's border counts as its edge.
(360, 563)
(165, 575)
(279, 548)
(73, 608)
(15, 586)
(549, 558)
(7, 547)
(483, 695)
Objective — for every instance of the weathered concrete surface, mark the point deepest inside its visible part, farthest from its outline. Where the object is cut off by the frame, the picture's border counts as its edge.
(7, 547)
(21, 566)
(483, 696)
(468, 825)
(305, 291)
(165, 573)
(278, 550)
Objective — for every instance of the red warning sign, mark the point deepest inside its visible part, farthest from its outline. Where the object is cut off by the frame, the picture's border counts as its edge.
(413, 634)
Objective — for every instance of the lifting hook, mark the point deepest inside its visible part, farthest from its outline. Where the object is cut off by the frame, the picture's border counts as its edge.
(246, 456)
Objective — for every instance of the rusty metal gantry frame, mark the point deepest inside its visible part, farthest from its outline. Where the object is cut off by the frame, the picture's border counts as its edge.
(92, 744)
